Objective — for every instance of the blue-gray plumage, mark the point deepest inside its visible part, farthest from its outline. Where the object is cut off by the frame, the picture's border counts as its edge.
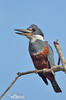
(38, 46)
(41, 53)
(35, 30)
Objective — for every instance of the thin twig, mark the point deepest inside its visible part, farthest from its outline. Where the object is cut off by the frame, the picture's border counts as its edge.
(24, 73)
(59, 51)
(54, 69)
(58, 48)
(9, 87)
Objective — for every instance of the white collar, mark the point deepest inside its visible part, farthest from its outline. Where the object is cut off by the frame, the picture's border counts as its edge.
(35, 37)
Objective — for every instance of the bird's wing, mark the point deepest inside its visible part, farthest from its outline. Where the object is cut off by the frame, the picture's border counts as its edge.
(50, 56)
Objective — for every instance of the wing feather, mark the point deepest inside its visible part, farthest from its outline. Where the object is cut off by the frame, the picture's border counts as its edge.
(50, 56)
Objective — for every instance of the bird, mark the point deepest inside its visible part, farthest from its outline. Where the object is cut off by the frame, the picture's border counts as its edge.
(41, 53)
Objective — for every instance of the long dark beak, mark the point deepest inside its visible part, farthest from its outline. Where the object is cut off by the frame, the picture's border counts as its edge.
(23, 32)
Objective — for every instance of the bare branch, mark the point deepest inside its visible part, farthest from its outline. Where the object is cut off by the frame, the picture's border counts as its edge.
(58, 48)
(9, 87)
(54, 69)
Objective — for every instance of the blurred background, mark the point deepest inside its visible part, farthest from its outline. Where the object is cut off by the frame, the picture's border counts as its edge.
(50, 16)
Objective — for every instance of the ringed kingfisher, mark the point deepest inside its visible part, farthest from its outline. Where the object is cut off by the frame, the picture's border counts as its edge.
(41, 53)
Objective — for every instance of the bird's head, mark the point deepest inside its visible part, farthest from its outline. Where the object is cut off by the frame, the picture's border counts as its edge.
(32, 32)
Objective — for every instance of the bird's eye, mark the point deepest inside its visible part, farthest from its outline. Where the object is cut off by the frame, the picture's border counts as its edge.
(33, 30)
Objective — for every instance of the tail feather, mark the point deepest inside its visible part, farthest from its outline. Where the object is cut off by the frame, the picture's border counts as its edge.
(44, 78)
(53, 82)
(56, 86)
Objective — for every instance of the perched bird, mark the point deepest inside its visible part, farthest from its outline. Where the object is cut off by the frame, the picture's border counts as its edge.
(41, 53)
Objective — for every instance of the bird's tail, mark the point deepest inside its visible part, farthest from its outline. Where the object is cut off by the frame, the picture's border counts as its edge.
(43, 78)
(56, 86)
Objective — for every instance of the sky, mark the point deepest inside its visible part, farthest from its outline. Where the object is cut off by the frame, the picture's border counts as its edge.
(50, 16)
